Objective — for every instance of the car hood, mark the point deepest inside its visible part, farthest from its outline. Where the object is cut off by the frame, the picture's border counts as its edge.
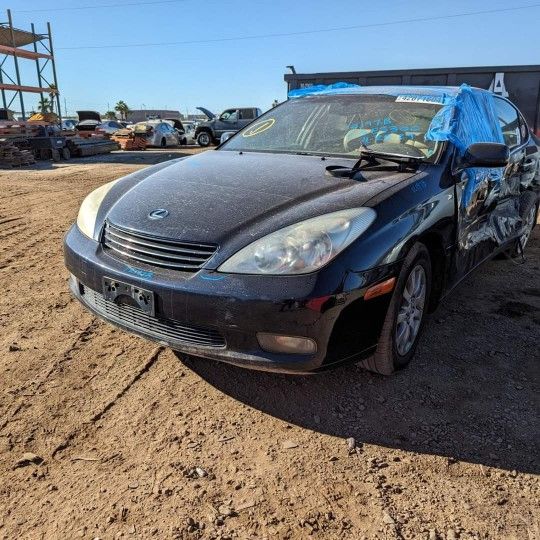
(208, 113)
(227, 197)
(88, 115)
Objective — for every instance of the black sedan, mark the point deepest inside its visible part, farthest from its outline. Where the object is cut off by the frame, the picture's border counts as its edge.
(323, 232)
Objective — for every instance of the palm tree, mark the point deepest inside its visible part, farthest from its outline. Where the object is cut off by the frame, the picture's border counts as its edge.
(122, 108)
(44, 105)
(110, 115)
(53, 91)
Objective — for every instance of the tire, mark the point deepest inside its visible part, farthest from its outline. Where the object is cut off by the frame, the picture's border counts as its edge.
(66, 154)
(392, 354)
(528, 211)
(204, 139)
(55, 154)
(163, 143)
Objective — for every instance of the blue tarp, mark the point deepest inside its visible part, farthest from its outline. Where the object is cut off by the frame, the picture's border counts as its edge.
(466, 118)
(469, 117)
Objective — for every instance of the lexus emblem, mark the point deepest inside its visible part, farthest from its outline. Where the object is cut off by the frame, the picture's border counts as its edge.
(160, 213)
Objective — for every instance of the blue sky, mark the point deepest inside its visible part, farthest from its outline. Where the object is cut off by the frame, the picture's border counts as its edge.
(250, 72)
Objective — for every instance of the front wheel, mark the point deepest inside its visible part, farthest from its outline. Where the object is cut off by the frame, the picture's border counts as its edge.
(204, 139)
(405, 316)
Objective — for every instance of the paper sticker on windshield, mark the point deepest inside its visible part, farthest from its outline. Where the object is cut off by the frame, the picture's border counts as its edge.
(412, 98)
(259, 127)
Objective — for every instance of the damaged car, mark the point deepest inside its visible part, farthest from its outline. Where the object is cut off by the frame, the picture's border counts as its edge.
(324, 232)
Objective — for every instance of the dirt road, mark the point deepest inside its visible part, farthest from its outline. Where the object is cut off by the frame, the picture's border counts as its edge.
(137, 443)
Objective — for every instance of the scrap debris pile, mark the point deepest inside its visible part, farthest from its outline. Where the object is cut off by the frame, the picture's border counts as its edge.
(41, 138)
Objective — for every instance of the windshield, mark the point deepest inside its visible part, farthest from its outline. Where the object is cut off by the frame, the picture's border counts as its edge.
(343, 125)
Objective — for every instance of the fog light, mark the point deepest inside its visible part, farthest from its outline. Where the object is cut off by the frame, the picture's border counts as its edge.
(286, 344)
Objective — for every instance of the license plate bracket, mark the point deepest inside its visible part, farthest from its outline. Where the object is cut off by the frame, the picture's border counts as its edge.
(125, 293)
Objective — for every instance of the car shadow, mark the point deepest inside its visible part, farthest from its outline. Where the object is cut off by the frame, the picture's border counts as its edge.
(469, 395)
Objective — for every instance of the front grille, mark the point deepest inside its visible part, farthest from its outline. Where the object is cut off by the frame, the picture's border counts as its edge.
(163, 252)
(160, 328)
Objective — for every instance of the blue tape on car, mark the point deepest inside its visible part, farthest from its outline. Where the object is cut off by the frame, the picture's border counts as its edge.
(321, 89)
(212, 278)
(140, 273)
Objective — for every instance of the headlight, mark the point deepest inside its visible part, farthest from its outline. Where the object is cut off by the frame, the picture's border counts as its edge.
(86, 220)
(301, 248)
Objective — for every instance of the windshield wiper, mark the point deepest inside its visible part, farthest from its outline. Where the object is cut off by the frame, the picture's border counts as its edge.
(366, 154)
(371, 158)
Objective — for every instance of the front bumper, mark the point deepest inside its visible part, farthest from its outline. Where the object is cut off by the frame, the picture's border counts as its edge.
(226, 310)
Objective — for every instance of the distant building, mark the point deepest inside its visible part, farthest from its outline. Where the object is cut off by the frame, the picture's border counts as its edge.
(151, 114)
(7, 114)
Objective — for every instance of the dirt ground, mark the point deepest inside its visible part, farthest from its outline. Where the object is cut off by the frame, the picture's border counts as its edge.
(129, 441)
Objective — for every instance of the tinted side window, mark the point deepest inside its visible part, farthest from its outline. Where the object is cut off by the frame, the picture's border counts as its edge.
(229, 115)
(509, 122)
(247, 114)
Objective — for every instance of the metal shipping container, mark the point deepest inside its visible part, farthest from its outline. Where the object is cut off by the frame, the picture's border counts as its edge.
(521, 84)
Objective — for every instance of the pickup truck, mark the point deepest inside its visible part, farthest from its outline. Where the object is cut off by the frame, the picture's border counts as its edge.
(233, 119)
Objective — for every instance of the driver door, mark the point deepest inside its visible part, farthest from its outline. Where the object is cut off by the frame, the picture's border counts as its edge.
(228, 121)
(488, 198)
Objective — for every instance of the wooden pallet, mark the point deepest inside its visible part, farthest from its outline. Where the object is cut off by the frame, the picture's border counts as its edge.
(11, 156)
(129, 141)
(82, 147)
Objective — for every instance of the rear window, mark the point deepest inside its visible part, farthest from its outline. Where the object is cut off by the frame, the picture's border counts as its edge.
(247, 114)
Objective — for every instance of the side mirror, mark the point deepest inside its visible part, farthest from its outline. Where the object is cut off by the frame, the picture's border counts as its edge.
(485, 155)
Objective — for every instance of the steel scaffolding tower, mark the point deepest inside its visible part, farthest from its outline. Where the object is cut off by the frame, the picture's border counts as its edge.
(12, 41)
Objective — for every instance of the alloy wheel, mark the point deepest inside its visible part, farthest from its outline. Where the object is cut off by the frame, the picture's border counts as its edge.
(411, 310)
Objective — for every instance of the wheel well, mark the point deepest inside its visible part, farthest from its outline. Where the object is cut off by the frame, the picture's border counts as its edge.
(205, 130)
(435, 247)
(359, 324)
(357, 328)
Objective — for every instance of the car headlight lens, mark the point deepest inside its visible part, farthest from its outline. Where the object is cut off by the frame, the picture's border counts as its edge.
(303, 247)
(86, 219)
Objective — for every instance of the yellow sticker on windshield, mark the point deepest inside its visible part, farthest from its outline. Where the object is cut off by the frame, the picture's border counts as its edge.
(259, 127)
